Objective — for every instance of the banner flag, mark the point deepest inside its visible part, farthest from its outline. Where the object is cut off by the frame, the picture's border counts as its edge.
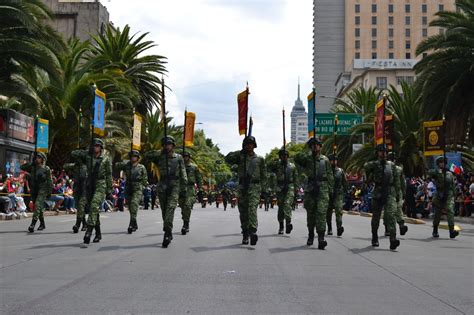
(243, 107)
(99, 113)
(389, 124)
(137, 131)
(379, 122)
(311, 109)
(433, 137)
(42, 135)
(189, 129)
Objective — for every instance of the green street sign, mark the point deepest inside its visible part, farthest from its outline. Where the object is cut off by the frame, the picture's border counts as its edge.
(325, 123)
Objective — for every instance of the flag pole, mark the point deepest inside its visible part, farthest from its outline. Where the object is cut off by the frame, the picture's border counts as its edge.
(336, 123)
(184, 131)
(247, 109)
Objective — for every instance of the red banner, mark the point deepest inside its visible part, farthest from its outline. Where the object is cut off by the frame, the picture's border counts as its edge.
(379, 122)
(243, 103)
(389, 123)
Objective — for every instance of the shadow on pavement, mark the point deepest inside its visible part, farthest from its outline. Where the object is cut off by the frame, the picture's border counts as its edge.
(278, 250)
(201, 249)
(228, 235)
(76, 244)
(150, 235)
(119, 247)
(369, 248)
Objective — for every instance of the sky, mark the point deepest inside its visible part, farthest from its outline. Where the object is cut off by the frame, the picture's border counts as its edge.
(215, 46)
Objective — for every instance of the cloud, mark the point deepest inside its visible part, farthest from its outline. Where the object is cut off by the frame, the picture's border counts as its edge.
(215, 47)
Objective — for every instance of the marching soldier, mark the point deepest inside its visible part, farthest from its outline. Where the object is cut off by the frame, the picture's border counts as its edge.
(443, 198)
(187, 198)
(41, 187)
(79, 171)
(171, 185)
(383, 174)
(252, 180)
(318, 189)
(400, 194)
(286, 189)
(136, 181)
(99, 184)
(337, 198)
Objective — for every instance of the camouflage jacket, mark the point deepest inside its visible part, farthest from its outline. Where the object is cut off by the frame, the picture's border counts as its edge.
(318, 171)
(445, 188)
(136, 175)
(176, 172)
(193, 175)
(286, 177)
(40, 175)
(383, 173)
(99, 170)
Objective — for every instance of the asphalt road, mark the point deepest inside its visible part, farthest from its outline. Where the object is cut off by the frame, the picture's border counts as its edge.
(209, 271)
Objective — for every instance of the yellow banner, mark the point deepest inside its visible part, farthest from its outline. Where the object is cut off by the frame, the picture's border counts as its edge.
(433, 137)
(189, 129)
(137, 131)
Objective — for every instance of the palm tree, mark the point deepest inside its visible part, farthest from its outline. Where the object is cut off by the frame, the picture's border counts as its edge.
(118, 50)
(446, 73)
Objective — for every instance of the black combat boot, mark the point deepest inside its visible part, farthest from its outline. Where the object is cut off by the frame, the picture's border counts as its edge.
(42, 226)
(245, 238)
(452, 232)
(280, 229)
(253, 237)
(75, 227)
(321, 241)
(394, 243)
(31, 228)
(329, 228)
(375, 238)
(340, 230)
(166, 240)
(185, 228)
(98, 234)
(130, 227)
(310, 236)
(403, 228)
(435, 231)
(88, 234)
(135, 225)
(84, 224)
(289, 226)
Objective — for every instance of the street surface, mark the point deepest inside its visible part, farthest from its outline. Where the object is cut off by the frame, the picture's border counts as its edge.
(209, 271)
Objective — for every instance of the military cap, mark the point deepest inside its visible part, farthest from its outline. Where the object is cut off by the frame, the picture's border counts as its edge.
(186, 153)
(41, 155)
(250, 139)
(381, 148)
(134, 153)
(313, 140)
(168, 140)
(98, 142)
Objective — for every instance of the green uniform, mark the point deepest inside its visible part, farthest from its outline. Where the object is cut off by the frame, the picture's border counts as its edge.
(98, 184)
(443, 198)
(41, 186)
(286, 186)
(79, 171)
(136, 180)
(383, 174)
(320, 182)
(400, 193)
(188, 197)
(336, 200)
(171, 184)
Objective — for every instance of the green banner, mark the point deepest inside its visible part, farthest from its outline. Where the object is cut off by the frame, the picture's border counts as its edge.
(325, 123)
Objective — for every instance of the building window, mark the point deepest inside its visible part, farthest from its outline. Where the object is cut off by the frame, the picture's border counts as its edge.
(390, 8)
(407, 44)
(374, 44)
(390, 32)
(357, 55)
(357, 20)
(357, 8)
(407, 56)
(424, 20)
(374, 32)
(374, 8)
(407, 8)
(357, 32)
(390, 44)
(357, 44)
(390, 55)
(424, 32)
(407, 20)
(407, 79)
(374, 55)
(381, 82)
(390, 20)
(441, 7)
(407, 32)
(424, 8)
(374, 20)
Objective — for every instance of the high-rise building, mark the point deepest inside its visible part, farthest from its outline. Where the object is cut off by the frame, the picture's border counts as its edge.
(299, 121)
(377, 40)
(78, 18)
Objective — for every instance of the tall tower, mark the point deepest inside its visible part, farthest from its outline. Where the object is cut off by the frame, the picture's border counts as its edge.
(298, 121)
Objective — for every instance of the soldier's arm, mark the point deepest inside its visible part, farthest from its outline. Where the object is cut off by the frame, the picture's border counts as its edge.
(183, 178)
(49, 180)
(120, 166)
(69, 167)
(27, 167)
(233, 157)
(198, 179)
(152, 155)
(368, 168)
(80, 155)
(329, 175)
(144, 176)
(300, 160)
(403, 183)
(108, 176)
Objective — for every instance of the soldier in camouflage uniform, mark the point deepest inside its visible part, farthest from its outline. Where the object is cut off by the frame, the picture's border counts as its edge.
(79, 171)
(400, 194)
(252, 181)
(319, 187)
(40, 187)
(337, 198)
(383, 174)
(443, 198)
(286, 178)
(99, 184)
(172, 183)
(188, 197)
(136, 180)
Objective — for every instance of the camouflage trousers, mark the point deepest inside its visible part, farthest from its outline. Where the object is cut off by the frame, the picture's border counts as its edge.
(399, 213)
(248, 204)
(81, 201)
(316, 206)
(39, 205)
(336, 206)
(439, 206)
(186, 203)
(285, 204)
(94, 208)
(390, 209)
(134, 202)
(168, 199)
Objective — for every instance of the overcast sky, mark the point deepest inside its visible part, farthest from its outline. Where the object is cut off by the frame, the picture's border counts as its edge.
(213, 47)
